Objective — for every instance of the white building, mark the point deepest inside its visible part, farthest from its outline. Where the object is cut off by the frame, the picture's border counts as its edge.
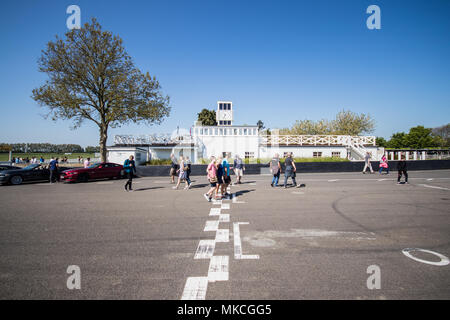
(228, 139)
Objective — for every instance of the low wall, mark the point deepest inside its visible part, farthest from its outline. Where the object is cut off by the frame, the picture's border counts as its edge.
(200, 169)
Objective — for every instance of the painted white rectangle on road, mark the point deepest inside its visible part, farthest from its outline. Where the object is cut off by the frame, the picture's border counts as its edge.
(238, 244)
(225, 206)
(211, 225)
(218, 269)
(223, 235)
(195, 288)
(205, 249)
(224, 217)
(214, 212)
(214, 201)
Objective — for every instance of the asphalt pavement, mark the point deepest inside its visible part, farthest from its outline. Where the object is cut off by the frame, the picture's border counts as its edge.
(313, 242)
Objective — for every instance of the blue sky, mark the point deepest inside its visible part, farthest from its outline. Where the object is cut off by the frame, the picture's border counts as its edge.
(278, 61)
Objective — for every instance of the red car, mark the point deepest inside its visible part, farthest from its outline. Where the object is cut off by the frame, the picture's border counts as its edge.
(96, 171)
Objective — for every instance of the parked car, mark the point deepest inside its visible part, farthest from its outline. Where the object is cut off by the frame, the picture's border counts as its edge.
(101, 170)
(33, 172)
(6, 167)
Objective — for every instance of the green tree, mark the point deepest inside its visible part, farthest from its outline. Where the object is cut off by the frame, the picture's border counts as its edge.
(207, 117)
(92, 77)
(397, 141)
(381, 142)
(420, 137)
(442, 135)
(353, 124)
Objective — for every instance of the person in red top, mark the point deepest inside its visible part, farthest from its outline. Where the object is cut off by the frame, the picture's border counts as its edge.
(211, 172)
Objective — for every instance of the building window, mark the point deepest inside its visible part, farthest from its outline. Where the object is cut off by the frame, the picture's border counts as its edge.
(335, 154)
(196, 131)
(249, 155)
(235, 132)
(220, 106)
(245, 132)
(216, 131)
(201, 131)
(285, 154)
(317, 154)
(220, 132)
(240, 131)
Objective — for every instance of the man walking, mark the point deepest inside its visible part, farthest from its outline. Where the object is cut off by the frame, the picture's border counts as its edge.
(226, 178)
(289, 170)
(367, 163)
(239, 168)
(402, 169)
(130, 168)
(53, 167)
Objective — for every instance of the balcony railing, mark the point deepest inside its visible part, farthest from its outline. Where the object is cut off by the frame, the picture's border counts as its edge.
(317, 140)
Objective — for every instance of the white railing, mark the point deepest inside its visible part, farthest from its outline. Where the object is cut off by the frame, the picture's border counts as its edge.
(318, 140)
(152, 139)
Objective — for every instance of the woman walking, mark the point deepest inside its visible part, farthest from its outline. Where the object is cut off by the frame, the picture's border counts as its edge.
(384, 164)
(220, 177)
(130, 168)
(173, 168)
(289, 170)
(182, 174)
(211, 172)
(275, 168)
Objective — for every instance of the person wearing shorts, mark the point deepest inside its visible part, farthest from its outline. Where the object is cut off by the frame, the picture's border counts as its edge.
(173, 168)
(226, 177)
(238, 169)
(211, 174)
(182, 174)
(220, 176)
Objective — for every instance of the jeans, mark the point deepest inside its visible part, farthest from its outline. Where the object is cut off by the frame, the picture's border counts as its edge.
(275, 179)
(387, 170)
(130, 180)
(287, 174)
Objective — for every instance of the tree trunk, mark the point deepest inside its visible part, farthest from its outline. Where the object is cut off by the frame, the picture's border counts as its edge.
(103, 138)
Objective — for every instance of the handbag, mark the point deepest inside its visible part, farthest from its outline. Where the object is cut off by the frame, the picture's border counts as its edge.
(213, 179)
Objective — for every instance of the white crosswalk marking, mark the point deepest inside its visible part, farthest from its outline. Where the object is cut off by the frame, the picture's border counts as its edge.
(195, 288)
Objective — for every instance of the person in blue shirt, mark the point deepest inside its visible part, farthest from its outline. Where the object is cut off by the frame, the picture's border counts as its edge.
(53, 167)
(129, 168)
(226, 177)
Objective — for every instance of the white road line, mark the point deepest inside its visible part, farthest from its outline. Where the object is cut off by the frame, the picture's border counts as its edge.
(205, 249)
(430, 179)
(218, 269)
(211, 225)
(444, 260)
(195, 288)
(222, 235)
(225, 206)
(105, 182)
(224, 217)
(297, 192)
(333, 180)
(434, 187)
(214, 201)
(238, 244)
(214, 212)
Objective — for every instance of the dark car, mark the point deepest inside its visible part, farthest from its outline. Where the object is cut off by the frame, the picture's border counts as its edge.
(6, 167)
(33, 172)
(102, 170)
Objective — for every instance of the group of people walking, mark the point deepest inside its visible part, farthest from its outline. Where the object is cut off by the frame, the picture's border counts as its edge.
(218, 174)
(290, 170)
(401, 166)
(219, 170)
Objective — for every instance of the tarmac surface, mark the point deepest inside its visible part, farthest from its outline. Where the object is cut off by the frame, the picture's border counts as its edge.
(314, 242)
